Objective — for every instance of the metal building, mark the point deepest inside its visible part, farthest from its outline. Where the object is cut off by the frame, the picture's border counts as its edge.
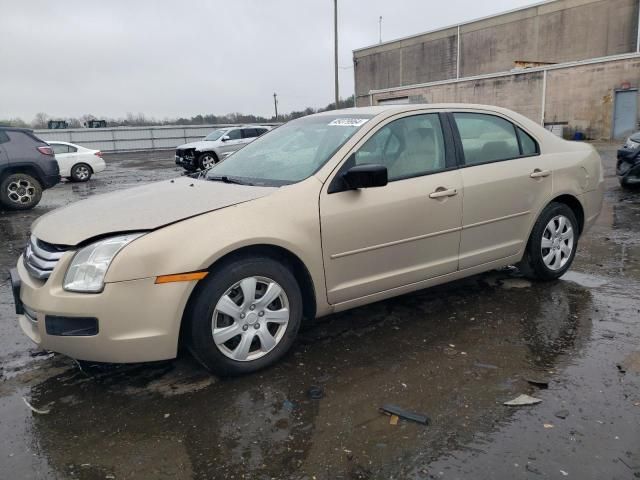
(572, 65)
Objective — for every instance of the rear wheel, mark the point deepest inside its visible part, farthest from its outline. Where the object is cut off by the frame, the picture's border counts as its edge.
(552, 243)
(245, 316)
(81, 172)
(207, 160)
(20, 191)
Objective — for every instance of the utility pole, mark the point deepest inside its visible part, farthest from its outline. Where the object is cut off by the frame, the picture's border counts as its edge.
(335, 29)
(275, 104)
(380, 21)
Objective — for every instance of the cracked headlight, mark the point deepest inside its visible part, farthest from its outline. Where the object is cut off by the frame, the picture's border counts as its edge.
(90, 264)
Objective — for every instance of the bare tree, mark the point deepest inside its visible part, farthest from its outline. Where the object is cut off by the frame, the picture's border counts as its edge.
(40, 121)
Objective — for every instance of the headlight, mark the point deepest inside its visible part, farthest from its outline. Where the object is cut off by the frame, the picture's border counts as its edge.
(631, 144)
(90, 264)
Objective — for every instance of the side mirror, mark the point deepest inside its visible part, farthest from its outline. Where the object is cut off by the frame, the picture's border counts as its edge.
(225, 138)
(366, 176)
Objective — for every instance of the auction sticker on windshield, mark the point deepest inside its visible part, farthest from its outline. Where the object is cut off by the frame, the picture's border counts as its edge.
(348, 122)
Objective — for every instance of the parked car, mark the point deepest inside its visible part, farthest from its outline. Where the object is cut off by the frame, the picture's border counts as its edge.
(216, 146)
(628, 165)
(27, 167)
(383, 201)
(76, 162)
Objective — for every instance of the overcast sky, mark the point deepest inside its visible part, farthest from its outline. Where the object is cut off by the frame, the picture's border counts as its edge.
(184, 57)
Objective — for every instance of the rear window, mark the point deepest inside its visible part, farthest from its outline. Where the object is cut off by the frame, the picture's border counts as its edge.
(488, 138)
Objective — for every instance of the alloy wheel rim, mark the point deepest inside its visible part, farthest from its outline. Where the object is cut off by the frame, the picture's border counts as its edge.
(557, 242)
(21, 191)
(250, 319)
(208, 161)
(82, 172)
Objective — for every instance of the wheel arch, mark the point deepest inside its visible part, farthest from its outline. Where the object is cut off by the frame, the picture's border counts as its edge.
(31, 170)
(82, 163)
(275, 252)
(575, 205)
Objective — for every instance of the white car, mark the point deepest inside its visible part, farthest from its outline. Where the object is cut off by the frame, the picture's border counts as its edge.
(77, 163)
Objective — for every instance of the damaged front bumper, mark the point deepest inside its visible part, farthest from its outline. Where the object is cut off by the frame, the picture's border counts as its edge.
(129, 321)
(186, 158)
(628, 166)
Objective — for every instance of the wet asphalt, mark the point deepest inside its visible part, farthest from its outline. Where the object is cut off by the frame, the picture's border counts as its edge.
(454, 353)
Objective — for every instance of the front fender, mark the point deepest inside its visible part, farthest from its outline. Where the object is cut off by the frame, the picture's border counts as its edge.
(289, 219)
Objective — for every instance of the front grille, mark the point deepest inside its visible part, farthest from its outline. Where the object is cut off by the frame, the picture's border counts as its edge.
(40, 258)
(186, 153)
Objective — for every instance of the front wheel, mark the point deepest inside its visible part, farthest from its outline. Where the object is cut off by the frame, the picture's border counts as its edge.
(207, 160)
(552, 244)
(245, 316)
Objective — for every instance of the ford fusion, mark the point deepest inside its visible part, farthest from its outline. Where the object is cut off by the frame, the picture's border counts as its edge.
(326, 213)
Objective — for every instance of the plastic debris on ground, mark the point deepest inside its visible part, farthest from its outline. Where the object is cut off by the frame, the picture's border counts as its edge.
(522, 400)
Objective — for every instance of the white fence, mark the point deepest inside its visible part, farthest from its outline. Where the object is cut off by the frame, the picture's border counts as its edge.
(120, 139)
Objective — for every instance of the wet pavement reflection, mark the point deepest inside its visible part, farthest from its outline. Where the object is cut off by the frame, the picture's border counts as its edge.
(454, 353)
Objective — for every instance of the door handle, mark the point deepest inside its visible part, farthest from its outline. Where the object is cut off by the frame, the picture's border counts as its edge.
(537, 173)
(441, 192)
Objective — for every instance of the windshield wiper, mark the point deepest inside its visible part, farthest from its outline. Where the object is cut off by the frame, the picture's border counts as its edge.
(225, 179)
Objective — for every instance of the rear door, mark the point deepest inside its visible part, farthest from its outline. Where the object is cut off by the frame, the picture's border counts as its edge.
(506, 183)
(65, 158)
(248, 135)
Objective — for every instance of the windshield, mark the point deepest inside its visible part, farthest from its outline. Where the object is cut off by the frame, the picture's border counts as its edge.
(290, 153)
(215, 135)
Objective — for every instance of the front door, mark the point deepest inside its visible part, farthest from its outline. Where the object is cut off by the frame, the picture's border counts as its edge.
(377, 239)
(506, 183)
(233, 142)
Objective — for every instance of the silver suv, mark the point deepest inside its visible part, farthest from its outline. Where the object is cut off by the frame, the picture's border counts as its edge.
(216, 146)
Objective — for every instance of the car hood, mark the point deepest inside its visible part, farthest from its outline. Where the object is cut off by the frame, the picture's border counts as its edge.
(147, 207)
(635, 137)
(201, 145)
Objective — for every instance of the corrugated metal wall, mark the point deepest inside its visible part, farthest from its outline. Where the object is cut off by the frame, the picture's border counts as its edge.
(120, 139)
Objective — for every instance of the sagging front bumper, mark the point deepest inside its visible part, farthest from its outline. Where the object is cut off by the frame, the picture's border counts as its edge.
(186, 159)
(137, 320)
(628, 166)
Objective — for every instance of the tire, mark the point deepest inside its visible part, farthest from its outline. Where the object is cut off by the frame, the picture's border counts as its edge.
(230, 345)
(207, 160)
(552, 259)
(20, 191)
(81, 172)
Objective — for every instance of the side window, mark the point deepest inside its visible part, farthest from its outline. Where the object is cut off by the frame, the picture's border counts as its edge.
(3, 137)
(408, 147)
(72, 149)
(234, 134)
(527, 144)
(249, 133)
(261, 131)
(58, 148)
(486, 138)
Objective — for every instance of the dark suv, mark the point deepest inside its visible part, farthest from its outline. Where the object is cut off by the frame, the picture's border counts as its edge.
(27, 167)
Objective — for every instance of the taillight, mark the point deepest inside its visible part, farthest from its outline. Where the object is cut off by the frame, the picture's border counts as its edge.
(45, 150)
(98, 154)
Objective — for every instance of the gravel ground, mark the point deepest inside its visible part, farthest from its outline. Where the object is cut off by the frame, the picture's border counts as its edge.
(454, 352)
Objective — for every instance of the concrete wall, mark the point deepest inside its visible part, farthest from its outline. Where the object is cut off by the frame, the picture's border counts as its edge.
(419, 60)
(560, 31)
(580, 95)
(119, 139)
(583, 96)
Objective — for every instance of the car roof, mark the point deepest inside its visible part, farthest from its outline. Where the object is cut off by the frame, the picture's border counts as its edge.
(60, 142)
(16, 129)
(399, 108)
